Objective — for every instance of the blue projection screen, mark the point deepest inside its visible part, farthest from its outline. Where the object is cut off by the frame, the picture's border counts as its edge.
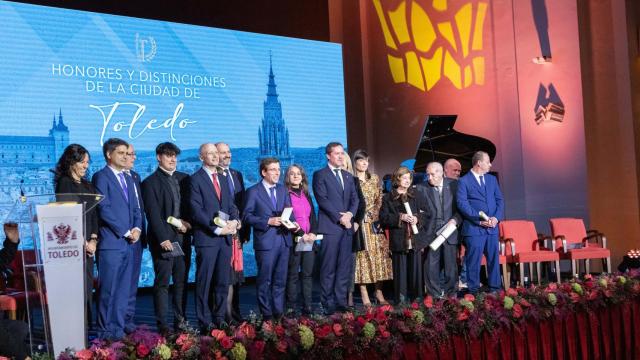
(80, 77)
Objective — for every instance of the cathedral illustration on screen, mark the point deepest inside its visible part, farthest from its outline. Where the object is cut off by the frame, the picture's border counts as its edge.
(273, 134)
(26, 161)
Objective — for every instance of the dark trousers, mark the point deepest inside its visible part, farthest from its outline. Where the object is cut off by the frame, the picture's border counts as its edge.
(300, 260)
(272, 278)
(165, 269)
(407, 275)
(335, 270)
(89, 264)
(446, 254)
(129, 324)
(212, 281)
(115, 268)
(477, 246)
(13, 336)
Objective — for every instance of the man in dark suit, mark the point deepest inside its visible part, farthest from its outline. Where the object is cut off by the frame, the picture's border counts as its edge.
(236, 187)
(209, 198)
(441, 198)
(481, 204)
(337, 200)
(264, 203)
(119, 233)
(164, 193)
(140, 245)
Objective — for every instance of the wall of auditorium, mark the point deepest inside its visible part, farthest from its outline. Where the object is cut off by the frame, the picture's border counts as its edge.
(611, 83)
(474, 58)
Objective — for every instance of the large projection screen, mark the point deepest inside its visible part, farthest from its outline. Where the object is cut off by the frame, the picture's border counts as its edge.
(79, 77)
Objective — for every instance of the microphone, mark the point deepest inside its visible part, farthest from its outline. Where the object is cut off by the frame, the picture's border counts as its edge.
(23, 198)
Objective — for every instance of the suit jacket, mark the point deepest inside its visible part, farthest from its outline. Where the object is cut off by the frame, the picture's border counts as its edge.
(472, 199)
(204, 206)
(358, 239)
(332, 200)
(238, 199)
(157, 195)
(258, 208)
(138, 189)
(449, 207)
(116, 214)
(66, 185)
(390, 219)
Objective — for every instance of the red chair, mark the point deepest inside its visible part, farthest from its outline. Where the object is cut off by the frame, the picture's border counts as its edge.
(525, 245)
(573, 243)
(15, 297)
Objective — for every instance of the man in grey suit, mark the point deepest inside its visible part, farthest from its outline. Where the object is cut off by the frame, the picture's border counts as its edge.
(441, 193)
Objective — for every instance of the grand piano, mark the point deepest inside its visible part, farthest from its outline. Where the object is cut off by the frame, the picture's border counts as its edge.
(439, 142)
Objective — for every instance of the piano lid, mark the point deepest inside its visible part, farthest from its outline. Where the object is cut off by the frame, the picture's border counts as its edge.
(440, 142)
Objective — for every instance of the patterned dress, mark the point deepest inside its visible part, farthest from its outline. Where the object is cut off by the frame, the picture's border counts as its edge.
(373, 264)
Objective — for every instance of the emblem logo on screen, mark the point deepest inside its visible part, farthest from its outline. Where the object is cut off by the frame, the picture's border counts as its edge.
(146, 48)
(62, 233)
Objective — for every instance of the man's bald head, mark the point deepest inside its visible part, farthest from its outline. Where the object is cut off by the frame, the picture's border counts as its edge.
(452, 169)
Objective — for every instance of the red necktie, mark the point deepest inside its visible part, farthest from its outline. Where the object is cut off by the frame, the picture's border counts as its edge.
(216, 185)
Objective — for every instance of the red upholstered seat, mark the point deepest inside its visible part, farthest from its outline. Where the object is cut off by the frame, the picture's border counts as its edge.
(571, 231)
(524, 245)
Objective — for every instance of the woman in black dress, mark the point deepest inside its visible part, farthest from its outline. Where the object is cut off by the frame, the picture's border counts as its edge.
(406, 247)
(72, 185)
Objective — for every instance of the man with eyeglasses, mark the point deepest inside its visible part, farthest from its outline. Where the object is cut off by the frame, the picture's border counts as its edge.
(140, 245)
(119, 234)
(237, 190)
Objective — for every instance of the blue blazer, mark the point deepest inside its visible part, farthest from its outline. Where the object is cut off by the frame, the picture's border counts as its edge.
(257, 210)
(332, 200)
(204, 206)
(116, 214)
(472, 199)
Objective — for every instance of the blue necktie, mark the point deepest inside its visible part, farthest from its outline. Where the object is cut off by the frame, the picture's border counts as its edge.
(272, 191)
(231, 185)
(482, 180)
(337, 171)
(123, 183)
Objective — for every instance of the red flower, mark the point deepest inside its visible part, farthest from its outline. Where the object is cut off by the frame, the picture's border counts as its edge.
(469, 297)
(369, 315)
(384, 308)
(407, 313)
(574, 297)
(415, 306)
(226, 342)
(525, 303)
(464, 315)
(246, 330)
(348, 316)
(323, 332)
(337, 329)
(512, 292)
(517, 311)
(258, 347)
(282, 346)
(218, 334)
(551, 287)
(592, 295)
(588, 277)
(142, 350)
(383, 331)
(267, 326)
(428, 302)
(361, 321)
(83, 354)
(279, 330)
(381, 316)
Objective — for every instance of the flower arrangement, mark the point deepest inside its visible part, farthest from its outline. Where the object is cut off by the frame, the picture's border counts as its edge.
(380, 330)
